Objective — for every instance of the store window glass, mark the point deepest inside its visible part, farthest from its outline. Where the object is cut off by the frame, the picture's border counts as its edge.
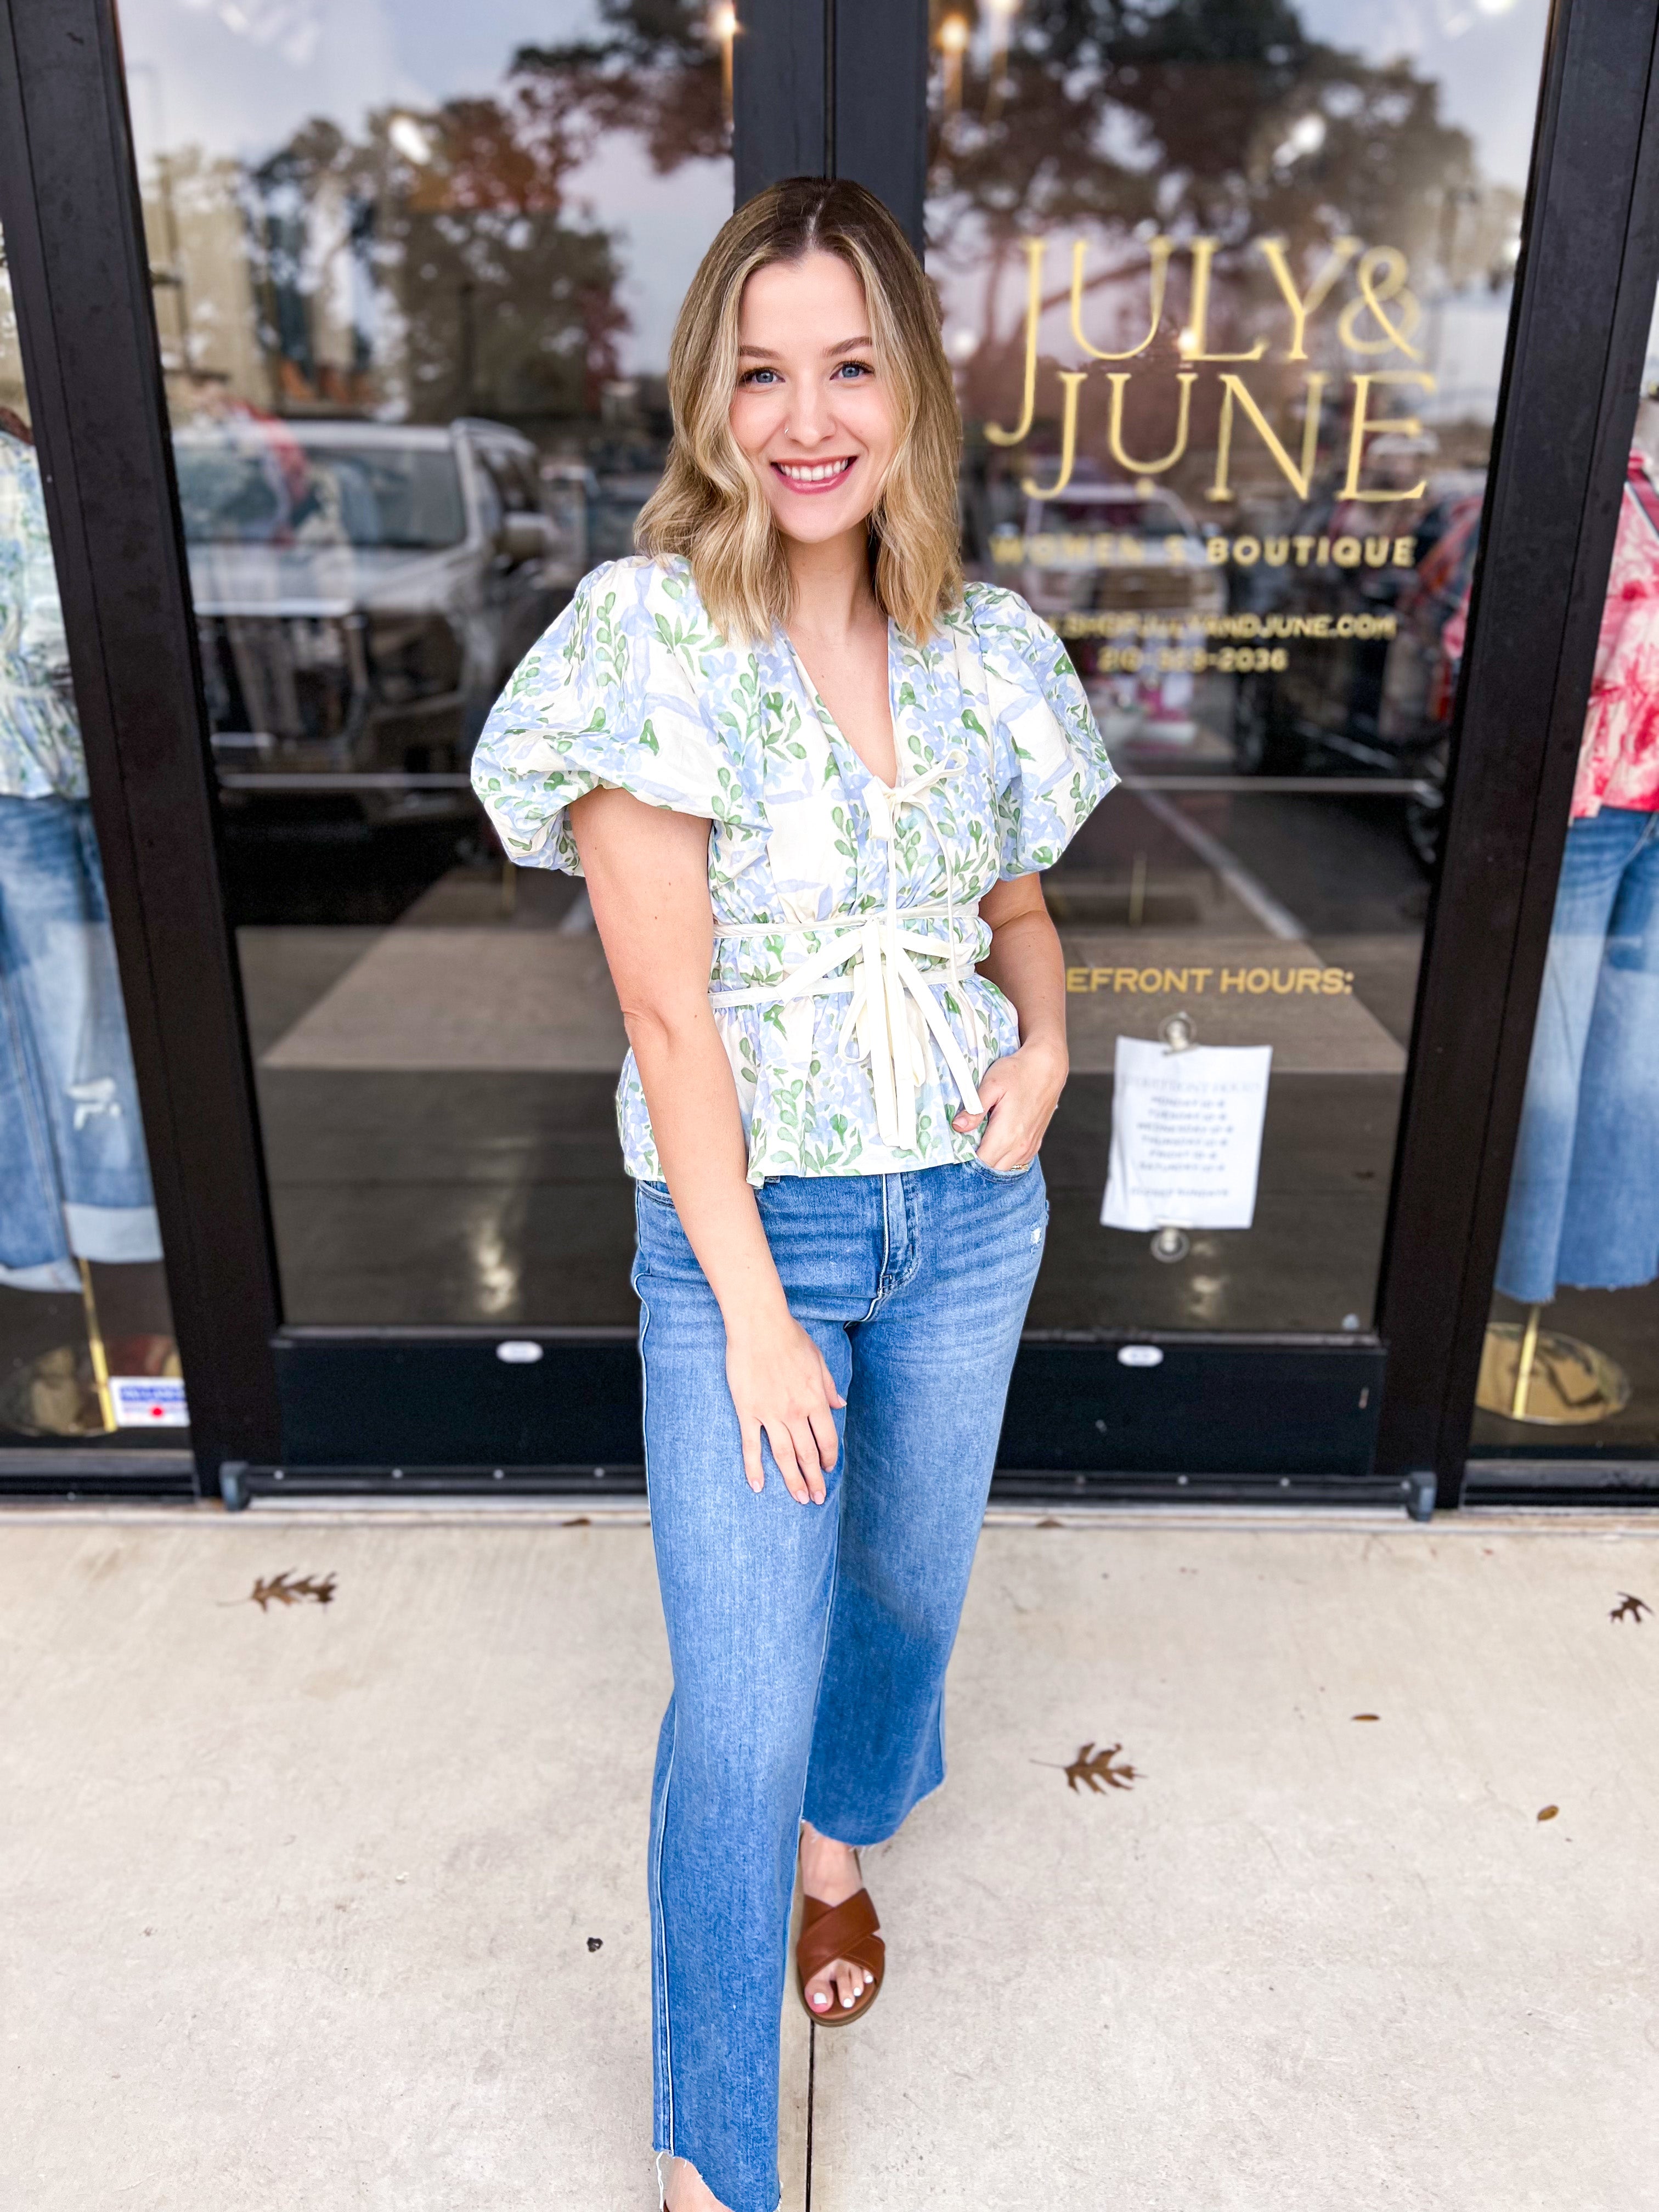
(1227, 287)
(416, 268)
(1571, 1365)
(86, 1342)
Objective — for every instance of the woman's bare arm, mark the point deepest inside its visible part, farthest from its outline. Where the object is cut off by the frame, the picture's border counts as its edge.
(647, 877)
(1021, 1092)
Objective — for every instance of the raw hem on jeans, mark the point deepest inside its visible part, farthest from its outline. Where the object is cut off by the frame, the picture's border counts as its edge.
(113, 1235)
(662, 2187)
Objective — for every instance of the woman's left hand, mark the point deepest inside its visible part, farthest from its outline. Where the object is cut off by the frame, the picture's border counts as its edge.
(1019, 1095)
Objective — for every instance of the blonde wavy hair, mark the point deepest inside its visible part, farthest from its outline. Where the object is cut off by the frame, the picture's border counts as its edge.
(709, 506)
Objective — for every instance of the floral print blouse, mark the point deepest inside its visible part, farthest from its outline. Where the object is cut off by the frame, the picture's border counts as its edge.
(40, 755)
(812, 861)
(1619, 755)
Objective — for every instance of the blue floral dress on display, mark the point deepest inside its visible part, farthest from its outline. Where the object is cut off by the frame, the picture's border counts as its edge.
(846, 910)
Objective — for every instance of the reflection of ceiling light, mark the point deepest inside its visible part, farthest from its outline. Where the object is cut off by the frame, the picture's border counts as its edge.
(1494, 7)
(962, 344)
(1306, 135)
(1002, 7)
(411, 139)
(953, 35)
(723, 25)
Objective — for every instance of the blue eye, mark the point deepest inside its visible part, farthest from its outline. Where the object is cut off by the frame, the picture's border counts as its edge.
(859, 369)
(754, 375)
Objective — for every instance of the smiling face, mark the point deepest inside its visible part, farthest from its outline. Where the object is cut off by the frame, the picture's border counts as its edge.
(811, 413)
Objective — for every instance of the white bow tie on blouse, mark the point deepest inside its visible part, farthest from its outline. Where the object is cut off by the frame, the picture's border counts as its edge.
(894, 1008)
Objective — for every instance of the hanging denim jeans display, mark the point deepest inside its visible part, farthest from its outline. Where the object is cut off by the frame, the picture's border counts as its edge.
(74, 1182)
(1583, 1205)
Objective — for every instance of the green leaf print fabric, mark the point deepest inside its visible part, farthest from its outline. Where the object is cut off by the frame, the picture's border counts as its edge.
(633, 687)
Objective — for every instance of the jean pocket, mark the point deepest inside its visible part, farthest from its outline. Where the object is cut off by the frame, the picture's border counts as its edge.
(1003, 1175)
(657, 1193)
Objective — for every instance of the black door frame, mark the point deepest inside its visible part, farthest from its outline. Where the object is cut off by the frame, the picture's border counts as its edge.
(828, 87)
(69, 204)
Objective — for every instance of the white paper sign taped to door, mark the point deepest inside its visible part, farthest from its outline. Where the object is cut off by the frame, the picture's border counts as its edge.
(1186, 1135)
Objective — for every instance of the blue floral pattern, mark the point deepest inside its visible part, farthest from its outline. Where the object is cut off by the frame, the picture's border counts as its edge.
(40, 754)
(634, 687)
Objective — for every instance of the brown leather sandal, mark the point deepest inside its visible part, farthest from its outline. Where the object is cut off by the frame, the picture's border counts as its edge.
(839, 1931)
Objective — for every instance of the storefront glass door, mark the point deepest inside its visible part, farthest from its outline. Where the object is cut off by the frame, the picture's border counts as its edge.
(1227, 291)
(87, 1349)
(415, 270)
(1569, 1377)
(1228, 294)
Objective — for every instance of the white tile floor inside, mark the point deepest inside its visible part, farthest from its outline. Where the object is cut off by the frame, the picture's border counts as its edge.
(341, 1906)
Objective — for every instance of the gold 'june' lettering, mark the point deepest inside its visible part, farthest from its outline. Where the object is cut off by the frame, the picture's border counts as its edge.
(1186, 379)
(1301, 480)
(1070, 378)
(1407, 425)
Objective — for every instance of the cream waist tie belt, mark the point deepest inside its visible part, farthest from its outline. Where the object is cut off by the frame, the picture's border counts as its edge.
(894, 1008)
(888, 993)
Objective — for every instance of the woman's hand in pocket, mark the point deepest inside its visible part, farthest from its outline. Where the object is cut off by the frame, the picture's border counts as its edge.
(784, 1391)
(1019, 1095)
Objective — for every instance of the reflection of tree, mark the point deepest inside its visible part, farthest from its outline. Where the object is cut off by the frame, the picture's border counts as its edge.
(1217, 118)
(436, 266)
(654, 71)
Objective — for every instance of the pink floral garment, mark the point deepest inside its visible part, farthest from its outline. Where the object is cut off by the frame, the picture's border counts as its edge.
(1619, 758)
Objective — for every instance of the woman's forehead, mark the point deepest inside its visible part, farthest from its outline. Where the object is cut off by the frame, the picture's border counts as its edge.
(817, 301)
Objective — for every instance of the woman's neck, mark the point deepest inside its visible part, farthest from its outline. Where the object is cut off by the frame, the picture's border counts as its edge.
(830, 591)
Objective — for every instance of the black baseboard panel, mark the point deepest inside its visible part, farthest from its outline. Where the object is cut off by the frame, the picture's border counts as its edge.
(1563, 1481)
(558, 1411)
(409, 1399)
(91, 1473)
(1196, 1405)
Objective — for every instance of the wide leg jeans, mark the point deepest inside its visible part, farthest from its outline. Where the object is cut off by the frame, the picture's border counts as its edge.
(809, 1643)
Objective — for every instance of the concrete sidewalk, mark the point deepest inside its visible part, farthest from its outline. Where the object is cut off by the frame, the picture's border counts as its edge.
(341, 1906)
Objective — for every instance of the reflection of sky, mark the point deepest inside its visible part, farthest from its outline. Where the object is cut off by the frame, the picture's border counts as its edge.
(1485, 55)
(237, 78)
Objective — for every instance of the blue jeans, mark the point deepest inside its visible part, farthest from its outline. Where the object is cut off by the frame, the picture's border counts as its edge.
(73, 1172)
(1583, 1205)
(809, 1643)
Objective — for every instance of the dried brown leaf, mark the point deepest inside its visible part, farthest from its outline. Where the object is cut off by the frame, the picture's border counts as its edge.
(1549, 1812)
(1367, 1717)
(1094, 1768)
(1629, 1608)
(287, 1589)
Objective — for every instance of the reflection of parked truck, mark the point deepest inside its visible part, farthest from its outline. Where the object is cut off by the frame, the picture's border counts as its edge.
(361, 592)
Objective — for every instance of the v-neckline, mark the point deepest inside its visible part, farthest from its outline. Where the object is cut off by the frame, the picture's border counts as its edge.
(834, 728)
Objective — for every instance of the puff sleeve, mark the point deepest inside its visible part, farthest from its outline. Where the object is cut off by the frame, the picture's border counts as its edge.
(1052, 768)
(607, 697)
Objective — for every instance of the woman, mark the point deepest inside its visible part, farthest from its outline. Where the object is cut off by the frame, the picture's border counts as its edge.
(809, 781)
